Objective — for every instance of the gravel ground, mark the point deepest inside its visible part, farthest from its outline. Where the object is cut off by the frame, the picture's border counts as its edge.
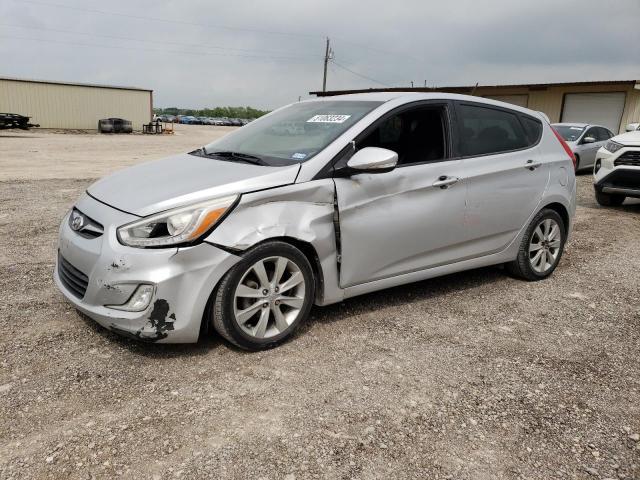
(471, 376)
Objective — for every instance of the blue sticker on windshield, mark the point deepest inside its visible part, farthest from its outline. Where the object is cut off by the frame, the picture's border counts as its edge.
(299, 156)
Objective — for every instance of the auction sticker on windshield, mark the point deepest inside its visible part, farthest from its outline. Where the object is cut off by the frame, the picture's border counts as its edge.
(328, 119)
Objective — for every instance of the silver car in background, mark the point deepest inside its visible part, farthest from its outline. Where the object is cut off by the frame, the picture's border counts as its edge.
(585, 140)
(314, 203)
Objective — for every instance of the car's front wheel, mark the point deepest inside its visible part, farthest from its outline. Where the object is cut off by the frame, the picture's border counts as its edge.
(609, 200)
(541, 247)
(265, 297)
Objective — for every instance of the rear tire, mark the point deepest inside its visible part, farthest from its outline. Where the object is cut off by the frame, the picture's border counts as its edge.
(541, 247)
(577, 163)
(265, 297)
(609, 200)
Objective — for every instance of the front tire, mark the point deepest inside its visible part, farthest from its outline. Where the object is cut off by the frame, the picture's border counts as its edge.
(609, 200)
(265, 297)
(541, 247)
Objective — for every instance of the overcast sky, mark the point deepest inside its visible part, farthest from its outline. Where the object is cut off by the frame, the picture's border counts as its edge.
(265, 53)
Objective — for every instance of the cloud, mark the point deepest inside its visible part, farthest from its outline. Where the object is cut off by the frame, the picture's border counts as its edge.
(266, 53)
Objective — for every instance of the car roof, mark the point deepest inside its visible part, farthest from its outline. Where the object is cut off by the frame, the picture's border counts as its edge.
(407, 97)
(567, 124)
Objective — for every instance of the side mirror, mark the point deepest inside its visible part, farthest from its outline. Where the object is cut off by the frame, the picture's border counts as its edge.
(632, 127)
(372, 160)
(588, 140)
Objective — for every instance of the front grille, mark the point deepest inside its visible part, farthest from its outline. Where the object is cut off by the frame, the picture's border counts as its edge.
(72, 278)
(86, 227)
(631, 158)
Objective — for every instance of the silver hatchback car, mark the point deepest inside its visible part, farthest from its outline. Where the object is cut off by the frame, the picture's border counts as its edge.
(314, 203)
(584, 140)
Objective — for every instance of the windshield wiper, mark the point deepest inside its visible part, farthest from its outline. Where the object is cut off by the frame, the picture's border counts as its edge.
(244, 157)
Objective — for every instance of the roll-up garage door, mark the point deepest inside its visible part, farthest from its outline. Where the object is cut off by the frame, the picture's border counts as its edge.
(595, 108)
(520, 100)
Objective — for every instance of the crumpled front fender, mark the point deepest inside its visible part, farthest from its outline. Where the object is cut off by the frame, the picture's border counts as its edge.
(304, 212)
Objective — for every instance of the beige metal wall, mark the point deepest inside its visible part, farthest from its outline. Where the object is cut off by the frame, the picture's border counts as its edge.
(550, 99)
(73, 106)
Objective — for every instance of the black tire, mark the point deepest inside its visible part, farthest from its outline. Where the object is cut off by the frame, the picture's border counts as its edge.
(577, 163)
(521, 266)
(223, 299)
(609, 200)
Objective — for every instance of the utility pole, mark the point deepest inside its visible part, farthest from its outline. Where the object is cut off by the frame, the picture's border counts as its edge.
(328, 55)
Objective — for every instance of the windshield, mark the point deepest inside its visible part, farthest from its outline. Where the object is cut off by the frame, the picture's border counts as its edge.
(295, 133)
(570, 134)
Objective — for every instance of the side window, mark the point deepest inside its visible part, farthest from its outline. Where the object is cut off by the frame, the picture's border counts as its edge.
(590, 133)
(487, 130)
(602, 134)
(532, 127)
(417, 135)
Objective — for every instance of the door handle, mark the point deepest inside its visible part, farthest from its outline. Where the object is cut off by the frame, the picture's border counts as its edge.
(445, 182)
(531, 165)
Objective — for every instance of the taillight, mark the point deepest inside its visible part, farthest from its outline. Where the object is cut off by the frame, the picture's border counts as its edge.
(565, 146)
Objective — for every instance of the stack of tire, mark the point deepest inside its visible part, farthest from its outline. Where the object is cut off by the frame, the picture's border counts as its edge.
(114, 125)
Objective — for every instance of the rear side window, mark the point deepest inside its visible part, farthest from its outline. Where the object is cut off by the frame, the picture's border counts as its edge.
(532, 127)
(488, 130)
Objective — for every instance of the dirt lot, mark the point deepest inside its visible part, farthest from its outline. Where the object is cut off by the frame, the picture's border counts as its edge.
(471, 376)
(40, 154)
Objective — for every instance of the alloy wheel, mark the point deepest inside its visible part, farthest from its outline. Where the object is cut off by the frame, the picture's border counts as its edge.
(544, 246)
(269, 297)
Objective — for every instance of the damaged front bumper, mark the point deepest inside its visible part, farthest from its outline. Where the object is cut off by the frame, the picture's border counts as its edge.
(96, 271)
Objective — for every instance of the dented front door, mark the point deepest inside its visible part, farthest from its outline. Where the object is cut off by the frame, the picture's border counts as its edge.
(409, 219)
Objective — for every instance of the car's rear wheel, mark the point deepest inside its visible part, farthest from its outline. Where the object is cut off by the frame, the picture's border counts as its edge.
(541, 247)
(609, 200)
(265, 297)
(577, 167)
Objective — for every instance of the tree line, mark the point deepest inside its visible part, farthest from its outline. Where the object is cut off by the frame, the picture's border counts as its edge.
(230, 112)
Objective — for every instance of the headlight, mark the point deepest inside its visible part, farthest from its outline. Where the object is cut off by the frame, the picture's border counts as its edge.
(612, 146)
(173, 227)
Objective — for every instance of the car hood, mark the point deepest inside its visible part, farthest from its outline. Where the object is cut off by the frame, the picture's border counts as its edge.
(183, 179)
(631, 139)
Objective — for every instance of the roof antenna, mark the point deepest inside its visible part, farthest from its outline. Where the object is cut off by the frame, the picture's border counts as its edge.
(474, 88)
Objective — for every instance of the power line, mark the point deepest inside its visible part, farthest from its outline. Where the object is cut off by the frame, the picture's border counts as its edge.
(121, 48)
(217, 26)
(156, 42)
(359, 74)
(167, 20)
(379, 50)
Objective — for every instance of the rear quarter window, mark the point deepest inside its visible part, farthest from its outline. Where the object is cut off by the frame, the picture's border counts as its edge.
(485, 130)
(532, 127)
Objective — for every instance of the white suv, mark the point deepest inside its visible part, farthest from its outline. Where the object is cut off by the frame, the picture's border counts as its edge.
(617, 169)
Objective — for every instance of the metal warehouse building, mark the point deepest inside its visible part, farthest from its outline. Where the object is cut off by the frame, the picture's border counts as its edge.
(74, 105)
(613, 104)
